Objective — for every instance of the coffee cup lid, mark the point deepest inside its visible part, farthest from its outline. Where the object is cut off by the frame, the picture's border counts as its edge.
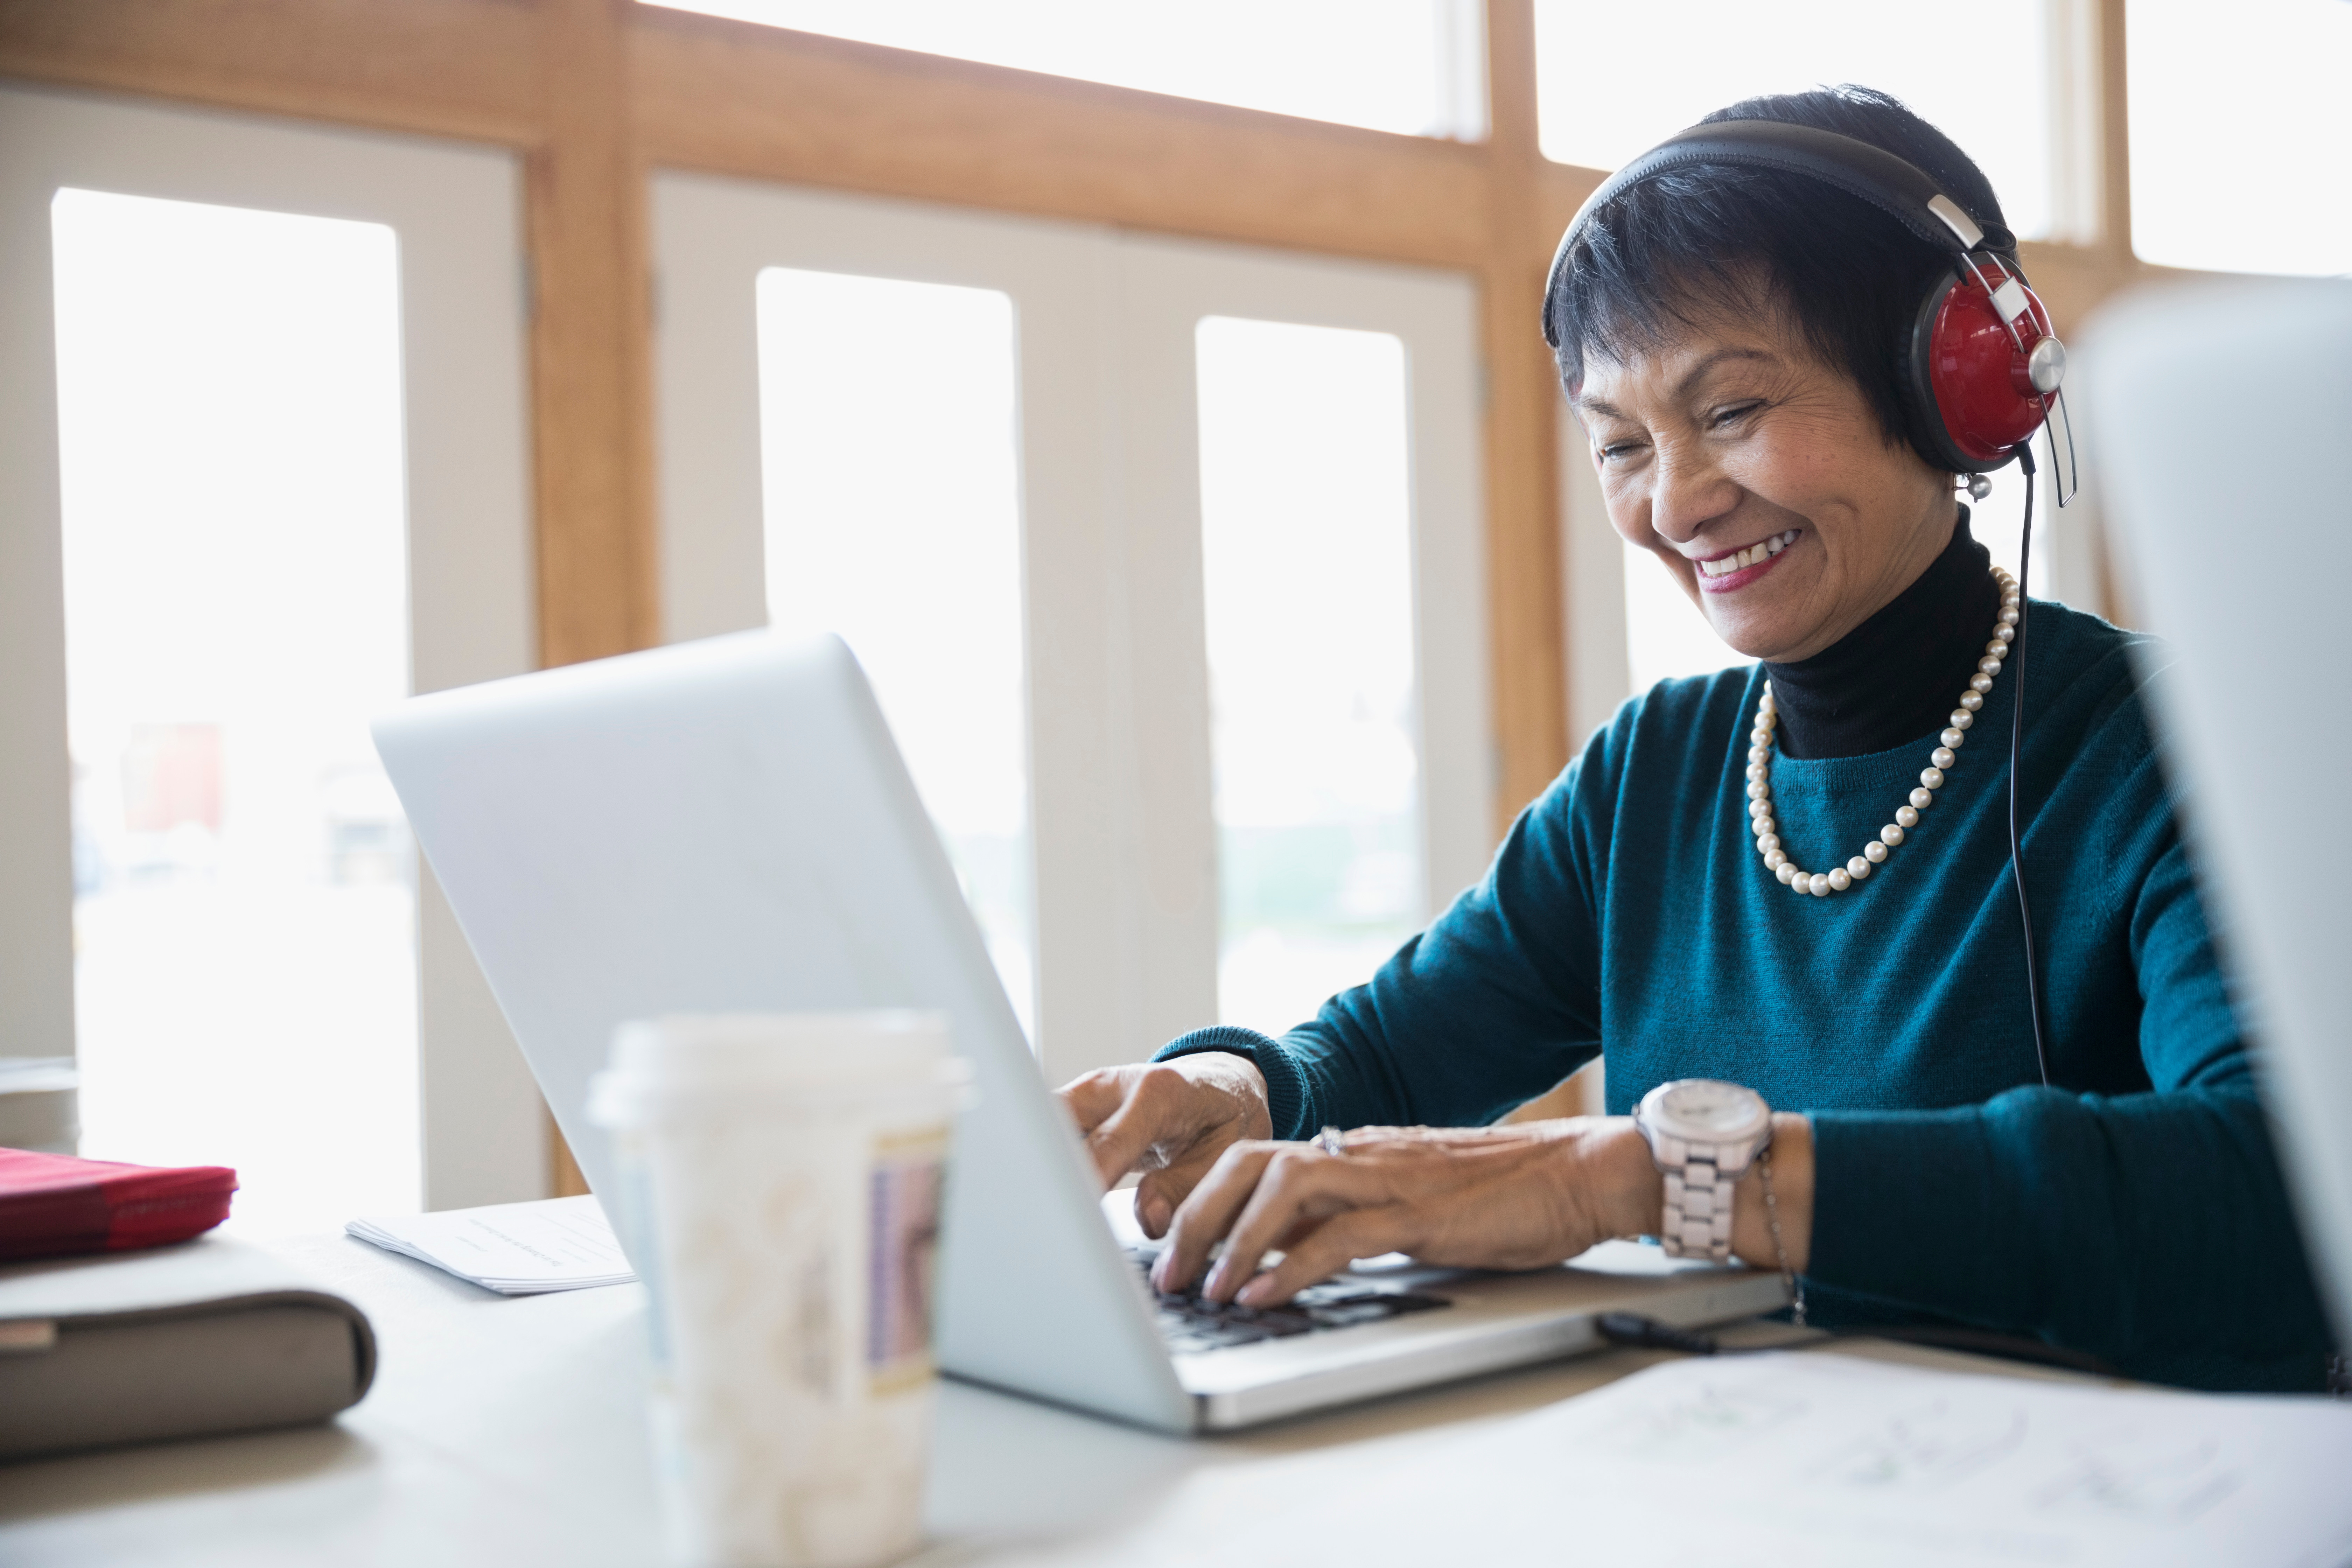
(877, 1050)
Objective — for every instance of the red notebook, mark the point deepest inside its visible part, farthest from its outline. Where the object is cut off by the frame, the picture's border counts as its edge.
(54, 1203)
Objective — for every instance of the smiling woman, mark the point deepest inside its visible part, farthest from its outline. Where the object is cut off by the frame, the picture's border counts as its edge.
(1787, 334)
(1839, 515)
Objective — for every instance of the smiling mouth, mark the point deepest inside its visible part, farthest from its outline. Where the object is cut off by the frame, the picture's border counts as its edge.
(1754, 555)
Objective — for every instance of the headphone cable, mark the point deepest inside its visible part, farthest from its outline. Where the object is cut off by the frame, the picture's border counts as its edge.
(2016, 745)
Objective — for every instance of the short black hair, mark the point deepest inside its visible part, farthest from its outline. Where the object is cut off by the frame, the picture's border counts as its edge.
(1848, 276)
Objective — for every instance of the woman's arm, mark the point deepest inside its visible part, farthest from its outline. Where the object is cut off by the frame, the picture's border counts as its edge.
(1497, 1002)
(2152, 1229)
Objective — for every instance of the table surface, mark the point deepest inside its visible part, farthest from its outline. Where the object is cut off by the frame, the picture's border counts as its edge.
(511, 1430)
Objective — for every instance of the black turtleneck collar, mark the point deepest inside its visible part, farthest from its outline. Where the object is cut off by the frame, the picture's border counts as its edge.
(1893, 678)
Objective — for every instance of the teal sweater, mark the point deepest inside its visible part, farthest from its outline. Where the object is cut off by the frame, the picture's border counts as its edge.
(2135, 1210)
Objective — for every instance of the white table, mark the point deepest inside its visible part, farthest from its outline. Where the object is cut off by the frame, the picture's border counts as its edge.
(511, 1431)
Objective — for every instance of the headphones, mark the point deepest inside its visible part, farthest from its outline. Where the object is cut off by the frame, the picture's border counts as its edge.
(1984, 364)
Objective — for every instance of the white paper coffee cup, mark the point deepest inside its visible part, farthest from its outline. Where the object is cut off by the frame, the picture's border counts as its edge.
(781, 1186)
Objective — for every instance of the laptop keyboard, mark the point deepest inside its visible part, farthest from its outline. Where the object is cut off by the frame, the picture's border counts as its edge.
(1189, 1323)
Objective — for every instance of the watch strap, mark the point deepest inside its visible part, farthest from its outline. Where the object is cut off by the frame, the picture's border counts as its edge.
(1699, 1206)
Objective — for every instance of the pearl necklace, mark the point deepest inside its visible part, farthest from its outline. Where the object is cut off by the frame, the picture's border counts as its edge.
(1931, 779)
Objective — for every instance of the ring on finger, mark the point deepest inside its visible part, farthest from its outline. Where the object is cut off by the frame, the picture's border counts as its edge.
(1332, 1142)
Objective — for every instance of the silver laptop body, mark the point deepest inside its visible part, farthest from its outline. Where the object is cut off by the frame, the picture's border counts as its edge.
(726, 825)
(2218, 413)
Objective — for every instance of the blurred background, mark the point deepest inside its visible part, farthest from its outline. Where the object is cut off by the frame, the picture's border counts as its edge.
(1152, 396)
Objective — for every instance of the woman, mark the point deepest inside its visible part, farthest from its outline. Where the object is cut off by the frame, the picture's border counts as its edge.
(1728, 338)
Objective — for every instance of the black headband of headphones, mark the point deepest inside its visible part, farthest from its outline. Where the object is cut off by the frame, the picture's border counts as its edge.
(1895, 185)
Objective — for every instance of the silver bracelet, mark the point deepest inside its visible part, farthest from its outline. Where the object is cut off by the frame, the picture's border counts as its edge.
(1772, 1222)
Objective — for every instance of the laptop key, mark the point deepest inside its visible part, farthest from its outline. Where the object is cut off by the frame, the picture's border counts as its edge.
(1189, 1323)
(1228, 1334)
(1335, 1293)
(1348, 1316)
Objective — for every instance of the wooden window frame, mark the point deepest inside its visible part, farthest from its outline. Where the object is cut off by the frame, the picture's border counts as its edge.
(594, 94)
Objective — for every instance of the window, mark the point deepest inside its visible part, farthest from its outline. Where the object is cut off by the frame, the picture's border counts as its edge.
(1306, 557)
(236, 607)
(271, 472)
(2237, 135)
(1115, 452)
(1610, 84)
(914, 559)
(1415, 66)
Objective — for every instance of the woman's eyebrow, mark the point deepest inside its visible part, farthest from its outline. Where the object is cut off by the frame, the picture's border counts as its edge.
(1690, 378)
(1698, 371)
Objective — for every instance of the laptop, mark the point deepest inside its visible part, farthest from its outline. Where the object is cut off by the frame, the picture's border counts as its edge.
(2217, 413)
(726, 825)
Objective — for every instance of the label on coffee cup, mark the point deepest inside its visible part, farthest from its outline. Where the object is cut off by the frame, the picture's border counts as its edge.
(902, 1251)
(902, 1259)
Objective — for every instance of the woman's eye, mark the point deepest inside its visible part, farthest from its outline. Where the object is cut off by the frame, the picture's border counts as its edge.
(1731, 416)
(1617, 450)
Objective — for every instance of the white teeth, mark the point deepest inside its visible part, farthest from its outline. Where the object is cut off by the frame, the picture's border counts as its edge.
(1739, 560)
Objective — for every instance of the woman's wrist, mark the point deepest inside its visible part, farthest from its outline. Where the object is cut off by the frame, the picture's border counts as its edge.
(1239, 1081)
(1635, 1194)
(1791, 1157)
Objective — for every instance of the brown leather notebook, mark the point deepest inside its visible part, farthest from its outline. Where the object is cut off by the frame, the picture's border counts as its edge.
(213, 1335)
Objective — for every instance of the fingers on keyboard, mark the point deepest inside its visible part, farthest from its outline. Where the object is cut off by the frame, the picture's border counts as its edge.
(1190, 1324)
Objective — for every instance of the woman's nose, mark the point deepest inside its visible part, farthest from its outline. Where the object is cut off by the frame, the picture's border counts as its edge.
(1686, 493)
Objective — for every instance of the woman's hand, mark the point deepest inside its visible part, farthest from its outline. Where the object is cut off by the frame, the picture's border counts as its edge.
(1519, 1196)
(1170, 1120)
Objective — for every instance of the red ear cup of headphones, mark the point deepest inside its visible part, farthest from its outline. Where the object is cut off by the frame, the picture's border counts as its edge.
(1976, 390)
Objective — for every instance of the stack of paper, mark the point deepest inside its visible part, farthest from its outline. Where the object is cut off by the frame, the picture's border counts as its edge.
(1836, 1461)
(516, 1249)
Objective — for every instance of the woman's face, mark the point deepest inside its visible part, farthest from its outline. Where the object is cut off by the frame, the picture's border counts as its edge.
(1760, 478)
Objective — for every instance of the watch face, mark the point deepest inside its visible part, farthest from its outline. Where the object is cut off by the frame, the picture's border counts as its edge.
(1704, 1107)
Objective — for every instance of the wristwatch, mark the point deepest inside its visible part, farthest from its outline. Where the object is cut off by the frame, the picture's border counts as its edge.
(1703, 1133)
